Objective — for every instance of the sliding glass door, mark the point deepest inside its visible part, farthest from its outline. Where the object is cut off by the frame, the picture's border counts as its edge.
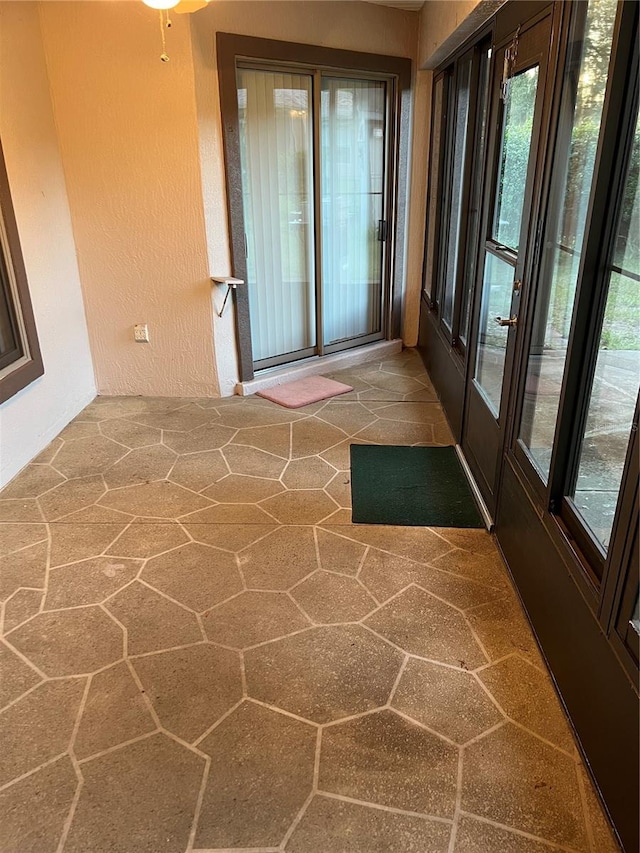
(352, 169)
(276, 146)
(313, 150)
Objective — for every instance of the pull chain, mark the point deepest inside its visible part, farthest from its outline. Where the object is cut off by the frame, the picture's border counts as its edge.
(165, 24)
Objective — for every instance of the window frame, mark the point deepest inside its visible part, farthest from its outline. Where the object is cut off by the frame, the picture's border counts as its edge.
(28, 365)
(591, 570)
(440, 183)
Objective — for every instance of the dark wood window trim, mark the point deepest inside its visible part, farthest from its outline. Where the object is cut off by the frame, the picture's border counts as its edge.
(26, 355)
(233, 48)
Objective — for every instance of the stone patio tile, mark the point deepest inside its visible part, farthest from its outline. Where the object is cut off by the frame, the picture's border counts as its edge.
(450, 702)
(386, 574)
(139, 798)
(114, 712)
(475, 836)
(32, 481)
(310, 473)
(250, 415)
(329, 597)
(503, 629)
(338, 554)
(414, 543)
(14, 537)
(88, 456)
(85, 533)
(484, 568)
(422, 625)
(23, 568)
(191, 688)
(129, 433)
(239, 488)
(38, 727)
(251, 803)
(311, 437)
(350, 417)
(384, 759)
(16, 676)
(273, 439)
(279, 560)
(20, 509)
(23, 604)
(152, 621)
(71, 496)
(526, 694)
(305, 506)
(142, 465)
(197, 576)
(160, 500)
(253, 462)
(231, 527)
(211, 436)
(196, 471)
(332, 826)
(69, 642)
(252, 618)
(325, 673)
(89, 581)
(184, 419)
(511, 777)
(34, 810)
(145, 539)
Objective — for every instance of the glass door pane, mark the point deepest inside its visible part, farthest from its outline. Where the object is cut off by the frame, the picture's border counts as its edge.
(614, 390)
(353, 131)
(497, 283)
(583, 92)
(514, 157)
(435, 169)
(461, 121)
(476, 194)
(492, 341)
(276, 137)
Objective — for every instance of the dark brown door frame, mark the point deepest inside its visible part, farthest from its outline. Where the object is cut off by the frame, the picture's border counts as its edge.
(230, 49)
(477, 415)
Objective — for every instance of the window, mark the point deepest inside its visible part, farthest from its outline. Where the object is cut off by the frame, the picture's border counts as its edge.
(20, 359)
(584, 85)
(459, 115)
(614, 388)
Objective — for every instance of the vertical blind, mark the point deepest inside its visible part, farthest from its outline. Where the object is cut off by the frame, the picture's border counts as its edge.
(277, 181)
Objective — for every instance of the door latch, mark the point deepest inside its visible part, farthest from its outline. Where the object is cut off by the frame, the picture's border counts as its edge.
(506, 321)
(382, 230)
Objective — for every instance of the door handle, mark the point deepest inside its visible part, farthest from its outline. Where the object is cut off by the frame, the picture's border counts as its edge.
(506, 321)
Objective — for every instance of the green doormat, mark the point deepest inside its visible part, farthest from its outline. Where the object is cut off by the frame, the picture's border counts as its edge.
(410, 486)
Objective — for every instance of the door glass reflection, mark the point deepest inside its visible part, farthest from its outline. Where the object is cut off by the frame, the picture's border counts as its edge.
(614, 391)
(492, 341)
(583, 92)
(514, 157)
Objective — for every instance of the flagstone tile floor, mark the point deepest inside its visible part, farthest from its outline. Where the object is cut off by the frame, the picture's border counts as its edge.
(201, 653)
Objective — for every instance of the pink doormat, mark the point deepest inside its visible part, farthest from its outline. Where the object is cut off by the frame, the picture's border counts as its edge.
(293, 395)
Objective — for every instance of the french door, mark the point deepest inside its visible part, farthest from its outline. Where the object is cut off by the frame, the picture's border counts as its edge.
(518, 90)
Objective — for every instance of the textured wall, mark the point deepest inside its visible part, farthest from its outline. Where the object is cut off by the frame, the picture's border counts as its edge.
(131, 144)
(30, 419)
(128, 137)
